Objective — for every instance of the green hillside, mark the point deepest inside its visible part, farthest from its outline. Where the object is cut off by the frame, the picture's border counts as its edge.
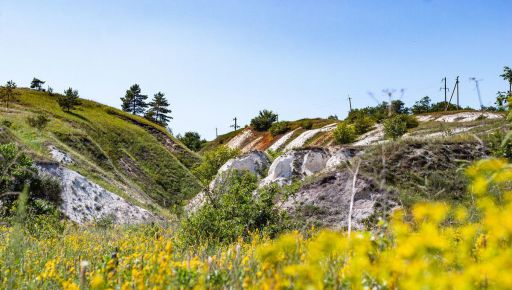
(124, 153)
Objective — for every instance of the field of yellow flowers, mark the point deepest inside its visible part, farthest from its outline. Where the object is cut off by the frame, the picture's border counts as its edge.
(436, 246)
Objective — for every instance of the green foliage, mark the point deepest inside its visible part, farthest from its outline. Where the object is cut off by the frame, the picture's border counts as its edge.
(38, 122)
(264, 120)
(422, 106)
(6, 123)
(159, 110)
(8, 93)
(441, 106)
(306, 124)
(69, 100)
(15, 168)
(37, 84)
(279, 128)
(379, 112)
(332, 117)
(363, 124)
(134, 101)
(344, 133)
(397, 126)
(211, 163)
(274, 154)
(192, 140)
(500, 144)
(234, 213)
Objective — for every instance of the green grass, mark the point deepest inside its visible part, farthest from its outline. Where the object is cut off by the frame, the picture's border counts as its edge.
(103, 140)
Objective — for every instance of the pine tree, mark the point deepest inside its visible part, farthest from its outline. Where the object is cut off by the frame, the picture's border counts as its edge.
(69, 100)
(159, 109)
(37, 84)
(134, 101)
(8, 93)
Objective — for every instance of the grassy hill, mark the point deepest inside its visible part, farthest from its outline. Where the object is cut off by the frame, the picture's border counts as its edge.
(124, 153)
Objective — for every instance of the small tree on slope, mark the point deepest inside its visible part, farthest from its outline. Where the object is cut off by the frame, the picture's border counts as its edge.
(37, 84)
(133, 101)
(159, 110)
(69, 100)
(8, 93)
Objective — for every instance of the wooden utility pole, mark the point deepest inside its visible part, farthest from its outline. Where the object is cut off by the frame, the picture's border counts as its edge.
(235, 126)
(350, 103)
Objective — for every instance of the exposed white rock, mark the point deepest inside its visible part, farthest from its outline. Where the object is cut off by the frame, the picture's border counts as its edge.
(60, 156)
(339, 157)
(280, 143)
(468, 116)
(326, 201)
(84, 201)
(239, 140)
(296, 164)
(372, 137)
(304, 137)
(252, 146)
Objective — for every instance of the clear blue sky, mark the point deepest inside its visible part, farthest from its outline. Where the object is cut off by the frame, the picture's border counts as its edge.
(215, 60)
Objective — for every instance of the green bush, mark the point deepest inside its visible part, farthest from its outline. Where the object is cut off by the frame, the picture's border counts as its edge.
(16, 168)
(235, 213)
(211, 163)
(6, 123)
(38, 122)
(363, 124)
(279, 128)
(344, 133)
(192, 140)
(264, 120)
(397, 126)
(306, 124)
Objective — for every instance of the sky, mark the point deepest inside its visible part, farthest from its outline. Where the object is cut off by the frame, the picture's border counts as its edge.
(216, 60)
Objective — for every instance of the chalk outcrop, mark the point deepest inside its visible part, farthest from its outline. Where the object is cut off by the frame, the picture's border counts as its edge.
(84, 201)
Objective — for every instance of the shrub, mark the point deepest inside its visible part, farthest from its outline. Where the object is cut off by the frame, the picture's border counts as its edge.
(422, 106)
(397, 126)
(344, 133)
(236, 213)
(211, 163)
(363, 124)
(306, 124)
(279, 128)
(38, 122)
(264, 120)
(192, 140)
(16, 168)
(6, 123)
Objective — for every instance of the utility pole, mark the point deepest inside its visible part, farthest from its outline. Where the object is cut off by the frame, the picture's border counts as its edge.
(457, 87)
(445, 90)
(478, 91)
(216, 133)
(235, 126)
(350, 103)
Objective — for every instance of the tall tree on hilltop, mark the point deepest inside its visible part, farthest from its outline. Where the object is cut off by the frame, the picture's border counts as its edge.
(159, 110)
(37, 84)
(507, 75)
(133, 101)
(8, 93)
(69, 100)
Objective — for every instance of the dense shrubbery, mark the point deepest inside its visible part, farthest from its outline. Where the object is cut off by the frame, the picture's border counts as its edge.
(264, 120)
(363, 124)
(344, 134)
(233, 212)
(212, 161)
(192, 140)
(279, 128)
(397, 126)
(306, 124)
(39, 122)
